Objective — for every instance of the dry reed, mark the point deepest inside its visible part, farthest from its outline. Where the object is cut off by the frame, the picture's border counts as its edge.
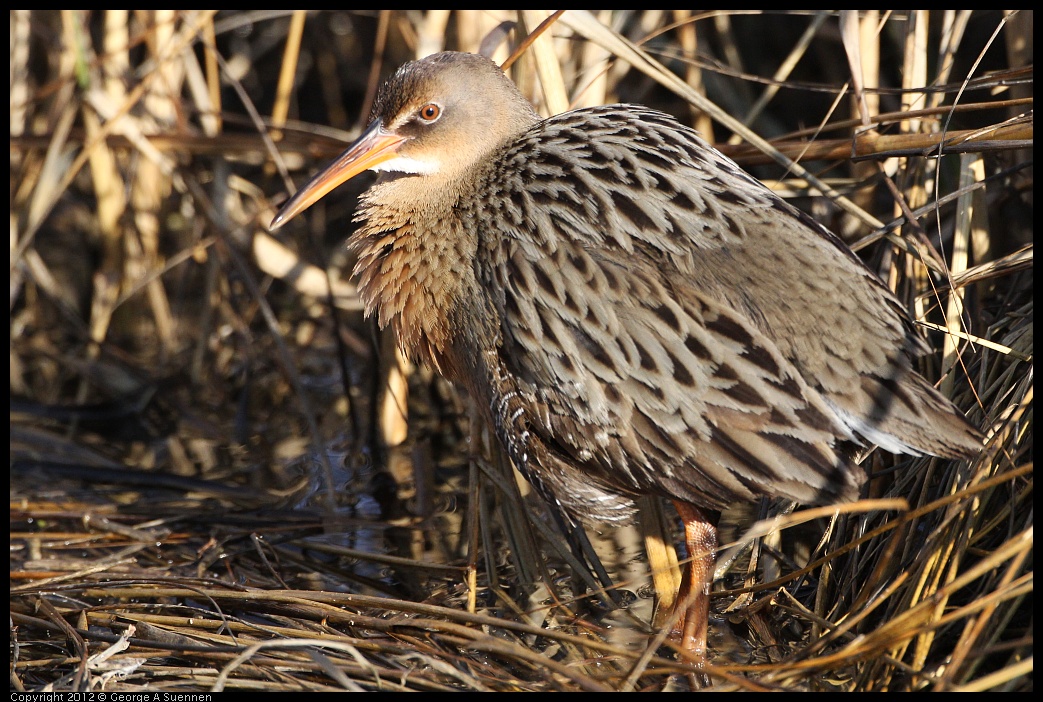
(224, 478)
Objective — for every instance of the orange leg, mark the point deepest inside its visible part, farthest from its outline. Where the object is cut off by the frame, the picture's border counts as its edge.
(693, 599)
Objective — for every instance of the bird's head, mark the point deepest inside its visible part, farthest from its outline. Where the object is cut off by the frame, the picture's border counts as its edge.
(436, 117)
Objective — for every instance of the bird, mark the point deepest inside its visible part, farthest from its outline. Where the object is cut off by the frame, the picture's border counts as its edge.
(630, 312)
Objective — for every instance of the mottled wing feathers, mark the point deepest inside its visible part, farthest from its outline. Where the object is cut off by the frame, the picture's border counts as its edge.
(682, 330)
(649, 392)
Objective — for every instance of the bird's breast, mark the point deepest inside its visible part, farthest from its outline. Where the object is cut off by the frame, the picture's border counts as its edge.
(415, 272)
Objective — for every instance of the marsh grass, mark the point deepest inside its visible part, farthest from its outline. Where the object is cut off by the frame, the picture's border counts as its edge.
(224, 478)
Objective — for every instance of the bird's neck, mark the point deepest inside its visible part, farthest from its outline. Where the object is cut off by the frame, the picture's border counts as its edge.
(415, 265)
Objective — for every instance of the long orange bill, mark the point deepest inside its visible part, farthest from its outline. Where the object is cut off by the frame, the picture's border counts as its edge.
(376, 145)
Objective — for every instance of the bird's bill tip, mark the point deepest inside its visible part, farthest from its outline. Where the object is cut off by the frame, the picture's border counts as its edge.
(375, 146)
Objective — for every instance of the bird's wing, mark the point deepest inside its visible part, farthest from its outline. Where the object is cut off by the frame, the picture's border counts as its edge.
(635, 184)
(651, 387)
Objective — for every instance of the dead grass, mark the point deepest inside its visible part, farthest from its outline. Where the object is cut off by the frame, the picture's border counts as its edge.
(186, 388)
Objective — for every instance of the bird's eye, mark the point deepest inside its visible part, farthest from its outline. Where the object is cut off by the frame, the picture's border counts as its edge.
(430, 112)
